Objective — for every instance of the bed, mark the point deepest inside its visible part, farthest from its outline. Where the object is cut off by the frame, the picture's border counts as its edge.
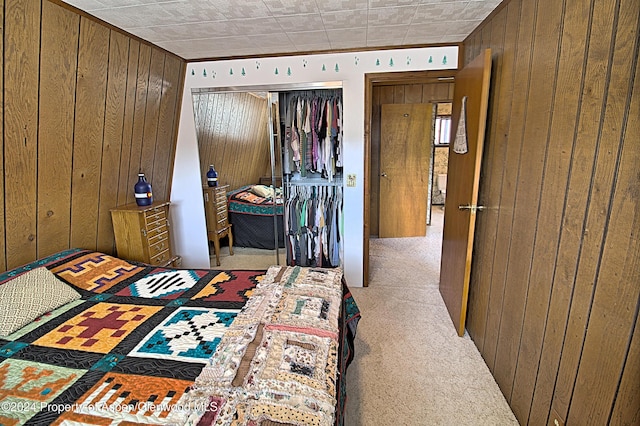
(252, 218)
(129, 343)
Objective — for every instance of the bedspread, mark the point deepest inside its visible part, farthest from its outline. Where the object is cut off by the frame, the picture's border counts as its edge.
(150, 345)
(243, 201)
(279, 359)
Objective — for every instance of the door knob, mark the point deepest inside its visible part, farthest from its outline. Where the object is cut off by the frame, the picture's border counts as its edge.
(383, 174)
(471, 207)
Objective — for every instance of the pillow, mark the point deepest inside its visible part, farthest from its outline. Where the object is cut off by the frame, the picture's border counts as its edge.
(262, 190)
(27, 296)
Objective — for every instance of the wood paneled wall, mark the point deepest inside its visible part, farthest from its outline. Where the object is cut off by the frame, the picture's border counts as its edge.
(396, 94)
(85, 108)
(233, 136)
(555, 283)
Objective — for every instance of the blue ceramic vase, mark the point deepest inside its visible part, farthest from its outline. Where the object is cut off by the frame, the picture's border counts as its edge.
(212, 176)
(142, 188)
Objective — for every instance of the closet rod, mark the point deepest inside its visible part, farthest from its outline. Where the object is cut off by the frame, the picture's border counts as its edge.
(307, 183)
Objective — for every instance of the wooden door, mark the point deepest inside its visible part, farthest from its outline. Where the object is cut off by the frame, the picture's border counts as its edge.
(472, 83)
(405, 149)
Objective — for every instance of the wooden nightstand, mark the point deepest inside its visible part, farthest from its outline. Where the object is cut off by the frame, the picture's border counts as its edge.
(215, 209)
(142, 233)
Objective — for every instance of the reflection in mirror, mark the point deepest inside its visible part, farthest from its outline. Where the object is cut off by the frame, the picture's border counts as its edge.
(232, 129)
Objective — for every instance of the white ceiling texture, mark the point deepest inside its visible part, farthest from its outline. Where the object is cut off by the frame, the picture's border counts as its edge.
(210, 29)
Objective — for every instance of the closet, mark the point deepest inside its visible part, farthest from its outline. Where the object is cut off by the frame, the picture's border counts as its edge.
(298, 138)
(311, 125)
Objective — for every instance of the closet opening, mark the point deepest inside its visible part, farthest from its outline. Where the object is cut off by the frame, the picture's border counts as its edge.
(277, 151)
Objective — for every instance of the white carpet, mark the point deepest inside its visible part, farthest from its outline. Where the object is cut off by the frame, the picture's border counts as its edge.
(411, 368)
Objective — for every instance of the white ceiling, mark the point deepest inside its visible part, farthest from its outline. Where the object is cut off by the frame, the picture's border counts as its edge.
(197, 29)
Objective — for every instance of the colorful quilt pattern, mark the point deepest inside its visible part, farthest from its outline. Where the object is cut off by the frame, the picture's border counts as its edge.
(99, 328)
(188, 334)
(127, 352)
(169, 346)
(96, 272)
(230, 285)
(163, 284)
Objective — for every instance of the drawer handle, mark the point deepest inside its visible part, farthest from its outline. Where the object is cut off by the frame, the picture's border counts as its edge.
(144, 232)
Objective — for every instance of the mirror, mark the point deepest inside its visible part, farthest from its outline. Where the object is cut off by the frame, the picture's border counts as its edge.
(237, 134)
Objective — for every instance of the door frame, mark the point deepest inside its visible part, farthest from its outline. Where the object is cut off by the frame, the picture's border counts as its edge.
(393, 79)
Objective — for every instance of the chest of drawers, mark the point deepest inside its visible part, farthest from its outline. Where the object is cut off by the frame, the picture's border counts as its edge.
(142, 233)
(217, 215)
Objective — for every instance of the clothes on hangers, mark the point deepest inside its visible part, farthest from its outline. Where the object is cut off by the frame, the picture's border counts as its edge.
(313, 133)
(314, 236)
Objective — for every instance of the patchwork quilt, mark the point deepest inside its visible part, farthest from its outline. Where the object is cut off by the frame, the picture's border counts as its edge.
(149, 345)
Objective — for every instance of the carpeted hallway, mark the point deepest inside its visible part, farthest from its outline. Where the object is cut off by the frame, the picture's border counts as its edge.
(410, 366)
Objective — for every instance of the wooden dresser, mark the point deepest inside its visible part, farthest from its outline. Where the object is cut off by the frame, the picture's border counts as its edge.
(142, 233)
(215, 209)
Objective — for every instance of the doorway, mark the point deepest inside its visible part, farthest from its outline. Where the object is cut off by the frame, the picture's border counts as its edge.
(393, 88)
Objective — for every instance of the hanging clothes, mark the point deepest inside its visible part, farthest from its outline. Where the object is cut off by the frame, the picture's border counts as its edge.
(314, 237)
(313, 133)
(312, 160)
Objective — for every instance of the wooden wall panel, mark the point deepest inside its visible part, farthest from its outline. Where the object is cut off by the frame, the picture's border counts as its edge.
(626, 209)
(626, 410)
(21, 63)
(125, 181)
(514, 129)
(233, 136)
(167, 126)
(3, 259)
(395, 94)
(93, 54)
(556, 350)
(593, 258)
(538, 112)
(551, 208)
(58, 65)
(112, 144)
(139, 113)
(71, 111)
(559, 329)
(608, 326)
(152, 108)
